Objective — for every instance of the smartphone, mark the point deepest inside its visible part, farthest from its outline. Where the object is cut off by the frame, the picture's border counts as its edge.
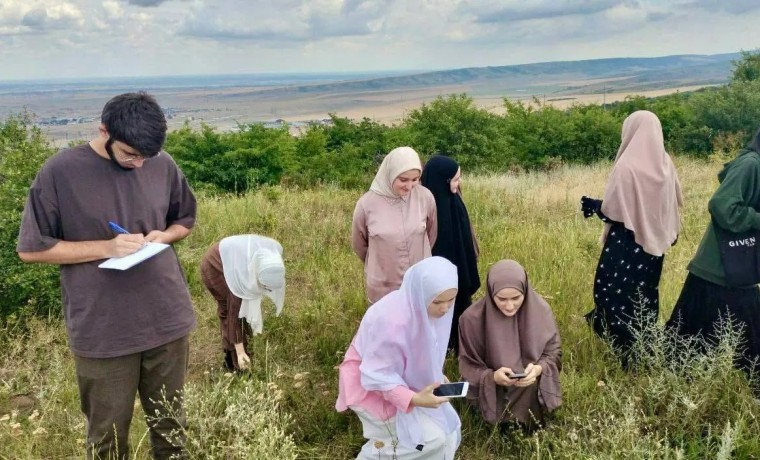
(517, 375)
(452, 390)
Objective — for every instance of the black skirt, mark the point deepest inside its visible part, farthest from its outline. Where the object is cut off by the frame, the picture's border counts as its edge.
(626, 290)
(703, 304)
(462, 303)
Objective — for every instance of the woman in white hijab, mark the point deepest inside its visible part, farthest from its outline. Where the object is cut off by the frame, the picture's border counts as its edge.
(394, 363)
(240, 271)
(394, 223)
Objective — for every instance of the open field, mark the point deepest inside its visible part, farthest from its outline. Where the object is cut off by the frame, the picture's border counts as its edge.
(284, 408)
(69, 110)
(227, 108)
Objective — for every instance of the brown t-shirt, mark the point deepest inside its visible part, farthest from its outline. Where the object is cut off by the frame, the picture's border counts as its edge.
(113, 313)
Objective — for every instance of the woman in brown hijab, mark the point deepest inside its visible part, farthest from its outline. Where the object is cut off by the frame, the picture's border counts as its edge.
(509, 332)
(640, 211)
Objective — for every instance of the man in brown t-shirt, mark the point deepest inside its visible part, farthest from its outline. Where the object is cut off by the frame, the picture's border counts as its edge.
(128, 330)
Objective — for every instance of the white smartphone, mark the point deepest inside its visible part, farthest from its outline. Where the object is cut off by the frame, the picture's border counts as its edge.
(452, 390)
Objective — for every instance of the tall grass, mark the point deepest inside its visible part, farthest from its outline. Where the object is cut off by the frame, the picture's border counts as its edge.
(284, 407)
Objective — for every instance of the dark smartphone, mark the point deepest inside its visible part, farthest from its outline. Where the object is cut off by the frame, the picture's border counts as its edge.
(517, 375)
(452, 390)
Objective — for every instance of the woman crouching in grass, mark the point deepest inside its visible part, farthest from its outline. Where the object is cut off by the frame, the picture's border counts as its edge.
(394, 363)
(509, 351)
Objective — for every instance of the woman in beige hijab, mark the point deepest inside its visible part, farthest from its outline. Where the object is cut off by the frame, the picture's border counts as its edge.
(640, 211)
(394, 224)
(510, 332)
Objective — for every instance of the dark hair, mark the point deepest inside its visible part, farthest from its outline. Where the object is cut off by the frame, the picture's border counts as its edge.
(754, 144)
(137, 120)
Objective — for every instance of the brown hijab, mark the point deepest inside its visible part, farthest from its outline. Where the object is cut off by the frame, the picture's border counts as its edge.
(489, 340)
(643, 191)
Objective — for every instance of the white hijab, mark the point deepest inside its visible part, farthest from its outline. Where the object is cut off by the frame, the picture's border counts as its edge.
(398, 161)
(401, 345)
(253, 268)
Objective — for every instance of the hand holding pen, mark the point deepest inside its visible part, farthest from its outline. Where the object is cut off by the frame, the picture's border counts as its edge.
(125, 243)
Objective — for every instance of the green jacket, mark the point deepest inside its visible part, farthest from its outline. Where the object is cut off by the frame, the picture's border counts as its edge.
(732, 207)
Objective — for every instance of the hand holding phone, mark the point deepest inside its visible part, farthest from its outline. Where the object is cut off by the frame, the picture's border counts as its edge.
(532, 372)
(452, 390)
(503, 377)
(517, 375)
(427, 398)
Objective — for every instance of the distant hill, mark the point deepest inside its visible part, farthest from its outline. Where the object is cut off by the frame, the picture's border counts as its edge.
(559, 77)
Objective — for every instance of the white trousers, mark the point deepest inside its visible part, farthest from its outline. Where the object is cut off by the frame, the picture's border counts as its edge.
(382, 441)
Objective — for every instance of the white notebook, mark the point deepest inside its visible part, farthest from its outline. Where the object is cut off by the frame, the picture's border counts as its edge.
(123, 263)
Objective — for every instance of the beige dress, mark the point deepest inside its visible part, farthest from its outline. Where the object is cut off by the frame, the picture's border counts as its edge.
(391, 234)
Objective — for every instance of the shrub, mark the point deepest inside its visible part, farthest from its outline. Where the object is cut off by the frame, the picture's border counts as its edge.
(23, 150)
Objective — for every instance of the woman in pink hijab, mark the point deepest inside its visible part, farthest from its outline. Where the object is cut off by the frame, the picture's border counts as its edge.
(394, 363)
(394, 224)
(510, 332)
(641, 215)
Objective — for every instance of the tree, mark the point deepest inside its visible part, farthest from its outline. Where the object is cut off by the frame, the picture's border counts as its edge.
(747, 68)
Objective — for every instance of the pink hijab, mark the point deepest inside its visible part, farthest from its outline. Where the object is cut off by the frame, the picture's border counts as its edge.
(400, 345)
(643, 191)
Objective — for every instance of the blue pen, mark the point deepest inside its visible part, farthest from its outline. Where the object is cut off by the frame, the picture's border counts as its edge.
(117, 228)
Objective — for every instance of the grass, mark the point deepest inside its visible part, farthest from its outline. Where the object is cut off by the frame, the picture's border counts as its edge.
(284, 407)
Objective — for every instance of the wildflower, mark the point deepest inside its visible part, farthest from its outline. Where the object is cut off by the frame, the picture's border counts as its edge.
(601, 384)
(298, 385)
(39, 431)
(300, 376)
(379, 445)
(34, 415)
(272, 386)
(5, 418)
(228, 374)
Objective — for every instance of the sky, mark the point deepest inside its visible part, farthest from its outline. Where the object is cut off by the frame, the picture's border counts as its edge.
(43, 39)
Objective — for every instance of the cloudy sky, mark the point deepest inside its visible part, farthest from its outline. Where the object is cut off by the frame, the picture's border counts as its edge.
(95, 38)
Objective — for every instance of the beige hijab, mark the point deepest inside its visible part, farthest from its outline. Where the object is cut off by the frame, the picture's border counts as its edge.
(643, 191)
(398, 161)
(489, 340)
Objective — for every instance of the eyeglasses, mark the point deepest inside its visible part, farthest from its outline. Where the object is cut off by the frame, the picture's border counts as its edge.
(122, 156)
(125, 157)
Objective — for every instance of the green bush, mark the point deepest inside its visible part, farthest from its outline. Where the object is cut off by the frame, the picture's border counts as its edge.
(540, 135)
(234, 161)
(345, 153)
(34, 287)
(454, 126)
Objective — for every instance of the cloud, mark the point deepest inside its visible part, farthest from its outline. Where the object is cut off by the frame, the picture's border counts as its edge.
(35, 18)
(515, 11)
(57, 16)
(729, 6)
(297, 21)
(221, 30)
(112, 9)
(146, 3)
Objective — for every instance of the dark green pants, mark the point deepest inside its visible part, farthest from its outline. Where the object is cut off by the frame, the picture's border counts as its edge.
(107, 389)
